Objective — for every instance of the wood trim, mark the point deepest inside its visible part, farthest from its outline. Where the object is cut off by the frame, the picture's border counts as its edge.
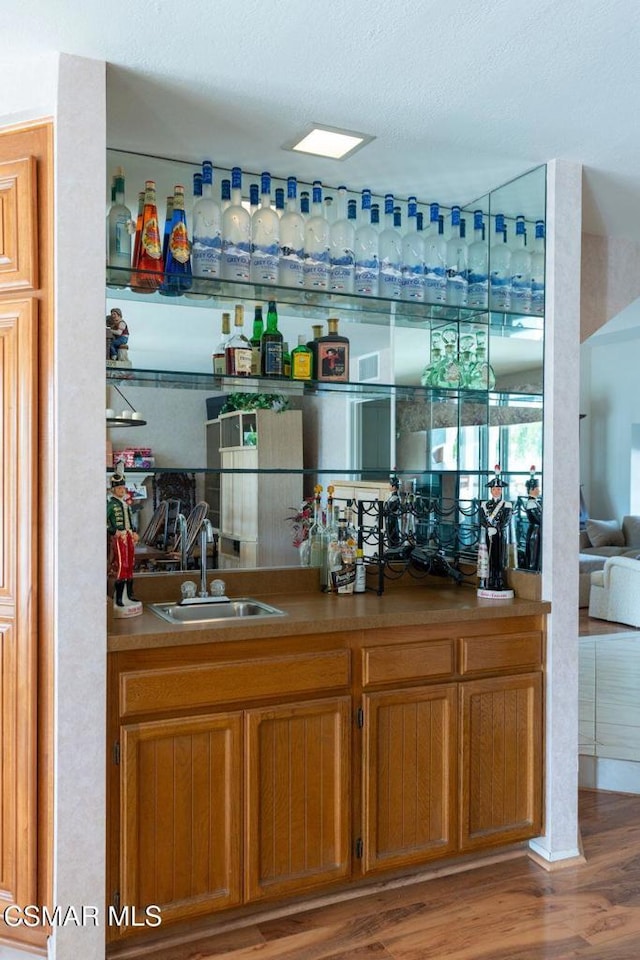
(18, 225)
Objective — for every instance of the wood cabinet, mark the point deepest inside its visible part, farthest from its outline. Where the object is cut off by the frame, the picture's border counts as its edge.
(254, 771)
(298, 797)
(260, 457)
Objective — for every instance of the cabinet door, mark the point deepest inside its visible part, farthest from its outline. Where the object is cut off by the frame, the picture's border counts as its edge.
(297, 797)
(501, 749)
(18, 225)
(181, 792)
(409, 776)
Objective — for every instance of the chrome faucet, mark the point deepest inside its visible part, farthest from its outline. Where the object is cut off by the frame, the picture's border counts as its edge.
(182, 528)
(206, 537)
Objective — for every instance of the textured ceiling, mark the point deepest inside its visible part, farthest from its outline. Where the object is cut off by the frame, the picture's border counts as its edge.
(460, 95)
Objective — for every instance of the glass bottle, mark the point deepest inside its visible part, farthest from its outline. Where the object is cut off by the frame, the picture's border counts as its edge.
(271, 349)
(254, 198)
(256, 338)
(225, 195)
(520, 270)
(316, 245)
(304, 205)
(331, 548)
(316, 531)
(537, 271)
(413, 282)
(478, 265)
(313, 346)
(500, 269)
(238, 349)
(456, 263)
(236, 234)
(483, 377)
(390, 254)
(197, 194)
(207, 230)
(168, 218)
(279, 194)
(435, 257)
(138, 234)
(342, 256)
(291, 240)
(219, 354)
(451, 376)
(177, 271)
(286, 360)
(366, 251)
(432, 375)
(119, 223)
(265, 237)
(332, 356)
(150, 266)
(301, 361)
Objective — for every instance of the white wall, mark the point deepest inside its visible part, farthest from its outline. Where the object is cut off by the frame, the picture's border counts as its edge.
(610, 364)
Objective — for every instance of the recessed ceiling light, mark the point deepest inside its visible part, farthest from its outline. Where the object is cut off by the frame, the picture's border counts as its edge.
(322, 141)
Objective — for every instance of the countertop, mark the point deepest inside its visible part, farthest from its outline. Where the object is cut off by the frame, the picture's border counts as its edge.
(315, 612)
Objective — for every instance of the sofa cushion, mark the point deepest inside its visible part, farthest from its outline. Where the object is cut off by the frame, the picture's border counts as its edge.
(631, 531)
(605, 533)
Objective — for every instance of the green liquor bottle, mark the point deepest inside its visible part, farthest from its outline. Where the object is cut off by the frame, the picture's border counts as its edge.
(256, 339)
(301, 361)
(271, 345)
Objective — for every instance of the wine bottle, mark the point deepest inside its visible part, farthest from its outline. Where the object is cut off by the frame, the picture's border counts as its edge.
(219, 354)
(177, 270)
(265, 237)
(207, 230)
(236, 234)
(119, 251)
(271, 349)
(238, 349)
(291, 241)
(256, 338)
(332, 358)
(316, 531)
(150, 266)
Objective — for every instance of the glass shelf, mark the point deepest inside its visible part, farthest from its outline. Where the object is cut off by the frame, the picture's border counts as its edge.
(184, 379)
(125, 422)
(299, 302)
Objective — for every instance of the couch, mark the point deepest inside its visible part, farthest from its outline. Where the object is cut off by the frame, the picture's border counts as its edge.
(602, 539)
(615, 591)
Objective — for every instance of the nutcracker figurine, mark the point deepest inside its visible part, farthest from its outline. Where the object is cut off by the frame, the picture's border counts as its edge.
(533, 509)
(495, 519)
(122, 541)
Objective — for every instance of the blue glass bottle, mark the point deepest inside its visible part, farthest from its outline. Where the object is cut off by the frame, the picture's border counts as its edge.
(177, 268)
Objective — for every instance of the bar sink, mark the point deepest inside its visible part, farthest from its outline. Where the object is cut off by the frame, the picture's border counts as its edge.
(214, 612)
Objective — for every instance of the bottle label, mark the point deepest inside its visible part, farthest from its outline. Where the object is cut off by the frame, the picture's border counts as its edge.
(342, 276)
(478, 285)
(237, 260)
(390, 280)
(301, 366)
(500, 291)
(150, 239)
(179, 243)
(240, 361)
(272, 358)
(219, 364)
(413, 282)
(264, 263)
(367, 277)
(122, 238)
(290, 267)
(332, 361)
(316, 270)
(206, 256)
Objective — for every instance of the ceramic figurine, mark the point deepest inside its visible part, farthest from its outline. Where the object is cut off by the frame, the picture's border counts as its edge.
(117, 338)
(533, 508)
(122, 541)
(495, 519)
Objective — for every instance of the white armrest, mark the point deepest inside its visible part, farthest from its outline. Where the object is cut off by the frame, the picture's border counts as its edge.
(626, 565)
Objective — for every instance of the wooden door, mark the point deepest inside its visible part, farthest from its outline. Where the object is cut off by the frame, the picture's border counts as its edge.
(501, 750)
(26, 544)
(297, 797)
(409, 777)
(180, 797)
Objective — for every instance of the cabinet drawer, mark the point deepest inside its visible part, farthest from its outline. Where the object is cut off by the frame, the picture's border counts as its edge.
(196, 686)
(481, 655)
(408, 661)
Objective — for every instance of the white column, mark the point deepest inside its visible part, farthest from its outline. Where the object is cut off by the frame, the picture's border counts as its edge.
(560, 495)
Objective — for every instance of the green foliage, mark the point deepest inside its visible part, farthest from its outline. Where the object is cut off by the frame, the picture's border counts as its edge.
(255, 401)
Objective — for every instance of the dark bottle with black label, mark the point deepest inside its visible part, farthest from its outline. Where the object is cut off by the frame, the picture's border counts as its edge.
(271, 349)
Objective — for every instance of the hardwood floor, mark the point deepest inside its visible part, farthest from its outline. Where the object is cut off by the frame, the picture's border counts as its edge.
(590, 627)
(514, 910)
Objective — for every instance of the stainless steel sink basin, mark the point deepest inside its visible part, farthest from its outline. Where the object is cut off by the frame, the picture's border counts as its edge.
(208, 612)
